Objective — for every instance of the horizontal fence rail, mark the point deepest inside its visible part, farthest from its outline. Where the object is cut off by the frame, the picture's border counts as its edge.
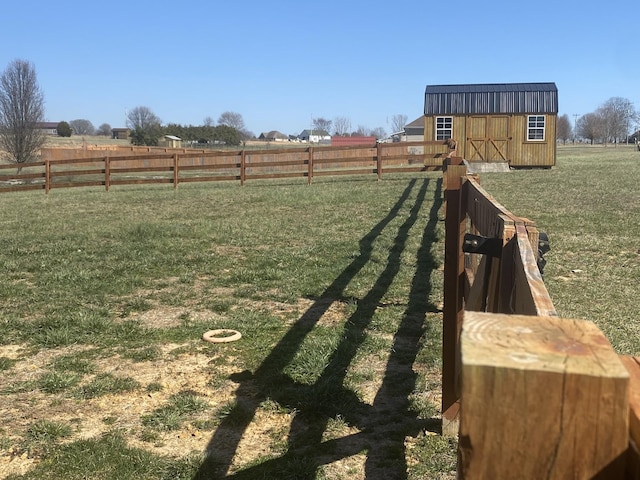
(183, 166)
(529, 394)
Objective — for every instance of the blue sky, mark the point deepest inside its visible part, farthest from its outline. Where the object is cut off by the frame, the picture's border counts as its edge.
(281, 63)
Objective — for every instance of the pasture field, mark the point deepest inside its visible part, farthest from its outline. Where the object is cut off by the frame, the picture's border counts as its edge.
(589, 205)
(336, 288)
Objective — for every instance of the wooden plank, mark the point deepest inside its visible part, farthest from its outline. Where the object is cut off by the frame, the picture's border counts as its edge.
(23, 188)
(542, 397)
(527, 293)
(212, 166)
(421, 168)
(632, 364)
(10, 166)
(476, 300)
(72, 173)
(633, 462)
(455, 223)
(485, 211)
(215, 178)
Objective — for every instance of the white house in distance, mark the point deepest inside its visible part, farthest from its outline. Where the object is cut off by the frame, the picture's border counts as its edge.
(315, 136)
(414, 131)
(49, 128)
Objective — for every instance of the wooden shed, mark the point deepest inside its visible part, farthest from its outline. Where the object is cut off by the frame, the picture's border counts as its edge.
(170, 141)
(501, 122)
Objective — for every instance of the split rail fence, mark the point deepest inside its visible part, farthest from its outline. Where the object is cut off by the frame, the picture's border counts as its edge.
(182, 166)
(530, 395)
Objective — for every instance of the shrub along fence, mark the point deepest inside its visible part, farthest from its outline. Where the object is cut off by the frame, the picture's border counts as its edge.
(530, 395)
(184, 166)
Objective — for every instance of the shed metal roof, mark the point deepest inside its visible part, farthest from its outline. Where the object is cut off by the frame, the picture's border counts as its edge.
(491, 98)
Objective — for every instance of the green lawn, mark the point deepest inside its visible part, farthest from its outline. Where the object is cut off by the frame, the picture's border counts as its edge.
(589, 205)
(335, 287)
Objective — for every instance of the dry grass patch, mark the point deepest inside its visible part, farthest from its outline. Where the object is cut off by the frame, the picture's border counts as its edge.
(168, 375)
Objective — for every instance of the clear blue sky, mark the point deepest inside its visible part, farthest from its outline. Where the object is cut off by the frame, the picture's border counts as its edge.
(281, 63)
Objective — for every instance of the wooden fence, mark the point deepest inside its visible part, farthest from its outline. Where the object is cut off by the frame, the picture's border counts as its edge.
(529, 394)
(182, 166)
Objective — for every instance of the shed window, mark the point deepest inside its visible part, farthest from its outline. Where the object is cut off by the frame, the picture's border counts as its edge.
(444, 128)
(535, 127)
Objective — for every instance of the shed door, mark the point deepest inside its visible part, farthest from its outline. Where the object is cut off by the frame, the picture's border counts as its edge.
(476, 148)
(488, 139)
(498, 139)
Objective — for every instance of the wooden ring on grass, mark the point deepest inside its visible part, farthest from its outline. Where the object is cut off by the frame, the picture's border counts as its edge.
(222, 335)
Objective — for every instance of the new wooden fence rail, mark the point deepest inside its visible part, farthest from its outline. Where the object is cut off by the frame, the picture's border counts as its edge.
(181, 166)
(529, 394)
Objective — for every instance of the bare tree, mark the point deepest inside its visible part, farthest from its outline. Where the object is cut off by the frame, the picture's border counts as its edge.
(232, 119)
(341, 126)
(322, 124)
(82, 126)
(563, 128)
(617, 114)
(378, 132)
(398, 122)
(591, 127)
(21, 109)
(208, 122)
(144, 125)
(362, 131)
(104, 129)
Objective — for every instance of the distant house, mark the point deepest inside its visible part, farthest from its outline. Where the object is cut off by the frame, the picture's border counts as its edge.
(120, 133)
(49, 128)
(414, 131)
(503, 122)
(315, 136)
(349, 141)
(170, 141)
(273, 136)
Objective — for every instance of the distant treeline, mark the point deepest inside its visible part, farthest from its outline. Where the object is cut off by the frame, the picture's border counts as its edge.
(220, 134)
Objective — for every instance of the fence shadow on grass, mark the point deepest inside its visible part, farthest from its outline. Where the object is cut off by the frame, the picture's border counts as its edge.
(384, 425)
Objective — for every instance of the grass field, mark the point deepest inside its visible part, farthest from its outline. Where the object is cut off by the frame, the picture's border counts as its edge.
(106, 297)
(335, 287)
(590, 207)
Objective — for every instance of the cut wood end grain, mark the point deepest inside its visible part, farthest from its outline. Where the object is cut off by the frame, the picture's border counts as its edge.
(541, 397)
(548, 344)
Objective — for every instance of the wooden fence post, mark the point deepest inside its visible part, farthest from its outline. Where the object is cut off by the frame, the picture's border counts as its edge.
(243, 167)
(542, 397)
(455, 225)
(175, 171)
(107, 173)
(379, 160)
(310, 171)
(47, 175)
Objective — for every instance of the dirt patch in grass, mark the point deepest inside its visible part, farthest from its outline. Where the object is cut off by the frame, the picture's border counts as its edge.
(12, 351)
(191, 371)
(199, 368)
